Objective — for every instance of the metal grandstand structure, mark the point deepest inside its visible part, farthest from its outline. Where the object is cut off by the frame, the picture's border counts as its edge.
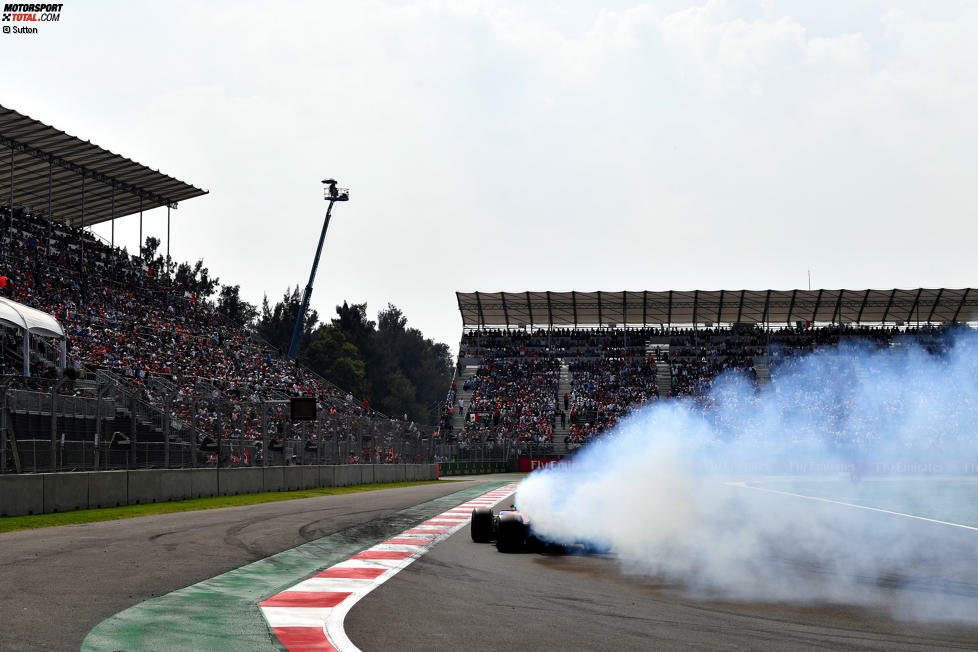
(698, 307)
(45, 171)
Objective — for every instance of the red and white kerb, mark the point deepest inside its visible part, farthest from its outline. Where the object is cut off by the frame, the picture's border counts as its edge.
(309, 615)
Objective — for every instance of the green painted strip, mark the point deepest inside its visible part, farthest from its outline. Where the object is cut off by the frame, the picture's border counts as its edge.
(222, 613)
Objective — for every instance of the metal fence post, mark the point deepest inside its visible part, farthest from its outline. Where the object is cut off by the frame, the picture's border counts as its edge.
(132, 433)
(220, 434)
(336, 440)
(264, 434)
(166, 429)
(3, 429)
(193, 432)
(319, 438)
(98, 423)
(54, 428)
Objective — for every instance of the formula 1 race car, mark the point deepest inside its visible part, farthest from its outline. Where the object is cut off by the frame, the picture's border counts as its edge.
(510, 529)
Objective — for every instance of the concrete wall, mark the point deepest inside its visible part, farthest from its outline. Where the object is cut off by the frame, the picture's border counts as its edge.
(274, 478)
(108, 489)
(21, 495)
(203, 483)
(293, 478)
(58, 492)
(327, 476)
(366, 473)
(66, 493)
(146, 486)
(310, 477)
(389, 473)
(233, 482)
(346, 475)
(175, 484)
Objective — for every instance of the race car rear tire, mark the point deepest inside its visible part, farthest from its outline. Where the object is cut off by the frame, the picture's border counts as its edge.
(510, 533)
(482, 524)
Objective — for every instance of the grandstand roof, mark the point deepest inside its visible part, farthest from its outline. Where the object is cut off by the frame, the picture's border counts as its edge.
(45, 157)
(509, 309)
(30, 319)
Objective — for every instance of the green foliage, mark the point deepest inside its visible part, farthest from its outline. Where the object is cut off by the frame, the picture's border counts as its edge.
(275, 324)
(231, 305)
(393, 366)
(200, 283)
(387, 362)
(196, 280)
(149, 249)
(333, 356)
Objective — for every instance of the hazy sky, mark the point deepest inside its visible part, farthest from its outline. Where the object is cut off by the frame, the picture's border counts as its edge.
(533, 145)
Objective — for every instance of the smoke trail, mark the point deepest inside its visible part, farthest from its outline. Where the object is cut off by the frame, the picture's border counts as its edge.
(658, 490)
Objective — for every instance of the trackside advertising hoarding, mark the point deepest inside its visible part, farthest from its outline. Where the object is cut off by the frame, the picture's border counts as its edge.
(528, 464)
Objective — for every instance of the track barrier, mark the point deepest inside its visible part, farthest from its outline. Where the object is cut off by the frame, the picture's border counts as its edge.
(41, 493)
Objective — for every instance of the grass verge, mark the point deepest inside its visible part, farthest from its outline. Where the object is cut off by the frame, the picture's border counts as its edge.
(35, 521)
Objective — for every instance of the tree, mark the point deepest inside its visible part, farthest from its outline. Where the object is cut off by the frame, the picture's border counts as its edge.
(276, 324)
(148, 251)
(148, 254)
(388, 363)
(336, 359)
(231, 305)
(196, 280)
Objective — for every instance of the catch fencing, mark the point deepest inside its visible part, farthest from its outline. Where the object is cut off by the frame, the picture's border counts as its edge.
(101, 422)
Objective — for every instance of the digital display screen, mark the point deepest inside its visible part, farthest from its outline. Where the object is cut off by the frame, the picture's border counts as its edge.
(303, 409)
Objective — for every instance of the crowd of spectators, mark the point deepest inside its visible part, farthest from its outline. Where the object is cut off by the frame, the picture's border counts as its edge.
(556, 343)
(604, 391)
(614, 370)
(513, 401)
(171, 347)
(697, 357)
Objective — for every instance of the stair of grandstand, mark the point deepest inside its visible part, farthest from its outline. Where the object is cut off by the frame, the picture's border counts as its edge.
(762, 369)
(465, 395)
(663, 371)
(92, 408)
(563, 387)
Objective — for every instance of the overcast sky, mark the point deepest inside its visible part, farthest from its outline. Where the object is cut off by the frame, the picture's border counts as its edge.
(533, 145)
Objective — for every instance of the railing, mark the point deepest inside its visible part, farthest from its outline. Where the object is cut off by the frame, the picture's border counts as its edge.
(115, 424)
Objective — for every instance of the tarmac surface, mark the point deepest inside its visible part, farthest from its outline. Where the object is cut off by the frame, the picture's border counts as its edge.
(464, 595)
(58, 583)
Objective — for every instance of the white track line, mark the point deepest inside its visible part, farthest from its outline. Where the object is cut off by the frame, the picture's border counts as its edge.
(744, 485)
(310, 614)
(334, 621)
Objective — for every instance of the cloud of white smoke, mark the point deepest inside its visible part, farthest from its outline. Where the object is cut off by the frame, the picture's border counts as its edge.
(671, 490)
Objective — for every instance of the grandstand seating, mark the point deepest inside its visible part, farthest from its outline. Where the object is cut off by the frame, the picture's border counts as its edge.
(165, 347)
(605, 373)
(166, 368)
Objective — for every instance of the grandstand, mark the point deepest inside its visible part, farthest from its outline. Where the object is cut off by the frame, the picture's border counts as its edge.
(154, 377)
(602, 354)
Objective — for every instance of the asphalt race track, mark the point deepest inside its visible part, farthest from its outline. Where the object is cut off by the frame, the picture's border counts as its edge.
(59, 583)
(464, 595)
